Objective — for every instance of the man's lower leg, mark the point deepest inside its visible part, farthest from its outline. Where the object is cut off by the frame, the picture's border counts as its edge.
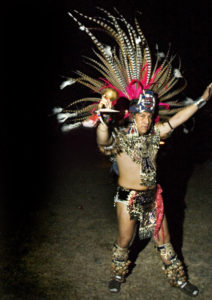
(119, 267)
(174, 270)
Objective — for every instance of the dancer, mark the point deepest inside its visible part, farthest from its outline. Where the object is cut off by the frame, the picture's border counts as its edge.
(132, 115)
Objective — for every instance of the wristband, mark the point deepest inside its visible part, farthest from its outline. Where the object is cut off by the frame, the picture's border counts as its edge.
(200, 103)
(100, 117)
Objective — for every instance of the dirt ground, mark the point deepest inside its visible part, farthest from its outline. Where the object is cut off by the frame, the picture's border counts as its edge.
(59, 248)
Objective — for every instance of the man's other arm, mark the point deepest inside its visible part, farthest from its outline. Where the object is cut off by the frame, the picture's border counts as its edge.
(185, 114)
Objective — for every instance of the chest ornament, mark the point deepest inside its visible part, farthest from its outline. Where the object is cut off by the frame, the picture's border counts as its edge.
(142, 150)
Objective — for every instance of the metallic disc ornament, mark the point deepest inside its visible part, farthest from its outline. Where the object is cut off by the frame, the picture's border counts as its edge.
(111, 94)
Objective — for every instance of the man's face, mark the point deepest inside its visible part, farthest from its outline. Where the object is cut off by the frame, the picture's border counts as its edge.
(143, 121)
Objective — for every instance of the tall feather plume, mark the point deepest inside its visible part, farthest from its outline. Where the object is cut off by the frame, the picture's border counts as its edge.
(128, 62)
(147, 54)
(74, 103)
(163, 67)
(122, 39)
(98, 44)
(118, 80)
(131, 44)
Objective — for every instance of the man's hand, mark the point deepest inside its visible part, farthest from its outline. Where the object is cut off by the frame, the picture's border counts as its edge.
(207, 93)
(103, 135)
(104, 102)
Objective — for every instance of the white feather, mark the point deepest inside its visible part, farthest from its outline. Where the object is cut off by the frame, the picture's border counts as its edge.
(177, 73)
(159, 54)
(67, 82)
(138, 40)
(108, 50)
(57, 110)
(185, 130)
(62, 117)
(188, 101)
(89, 123)
(67, 127)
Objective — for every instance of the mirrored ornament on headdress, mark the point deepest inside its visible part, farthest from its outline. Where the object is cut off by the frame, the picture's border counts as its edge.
(146, 102)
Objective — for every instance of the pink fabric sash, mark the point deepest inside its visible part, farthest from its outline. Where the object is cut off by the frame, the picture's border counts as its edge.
(159, 211)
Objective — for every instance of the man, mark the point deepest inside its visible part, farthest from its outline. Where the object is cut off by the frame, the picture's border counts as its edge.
(137, 192)
(128, 76)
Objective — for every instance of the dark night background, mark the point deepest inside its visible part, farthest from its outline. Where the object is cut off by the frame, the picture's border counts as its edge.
(42, 44)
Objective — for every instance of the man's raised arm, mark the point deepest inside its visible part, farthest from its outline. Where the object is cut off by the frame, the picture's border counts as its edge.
(104, 137)
(183, 115)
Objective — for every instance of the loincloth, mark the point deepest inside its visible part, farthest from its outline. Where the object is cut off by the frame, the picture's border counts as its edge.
(144, 206)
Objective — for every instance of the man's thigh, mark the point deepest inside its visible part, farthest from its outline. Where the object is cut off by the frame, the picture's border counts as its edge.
(125, 224)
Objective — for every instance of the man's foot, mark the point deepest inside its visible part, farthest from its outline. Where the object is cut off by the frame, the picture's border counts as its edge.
(115, 284)
(189, 289)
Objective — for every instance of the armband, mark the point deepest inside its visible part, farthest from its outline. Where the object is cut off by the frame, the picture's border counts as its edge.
(170, 125)
(110, 147)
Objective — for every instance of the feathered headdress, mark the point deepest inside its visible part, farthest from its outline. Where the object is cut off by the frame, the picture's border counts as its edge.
(125, 68)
